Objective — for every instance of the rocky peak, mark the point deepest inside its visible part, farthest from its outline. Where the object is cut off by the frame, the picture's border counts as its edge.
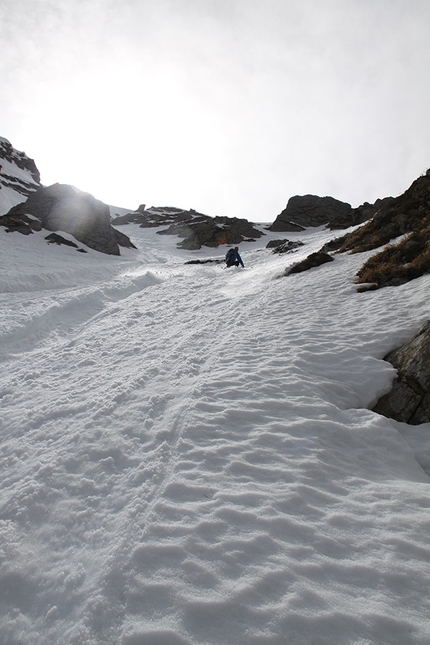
(19, 176)
(303, 211)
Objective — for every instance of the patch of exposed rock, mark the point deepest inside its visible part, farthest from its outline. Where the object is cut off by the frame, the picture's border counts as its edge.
(20, 223)
(303, 211)
(284, 246)
(406, 217)
(207, 261)
(409, 399)
(19, 176)
(313, 260)
(195, 228)
(62, 208)
(54, 238)
(20, 160)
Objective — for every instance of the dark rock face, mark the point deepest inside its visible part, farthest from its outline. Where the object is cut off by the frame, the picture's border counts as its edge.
(409, 399)
(313, 260)
(196, 228)
(54, 238)
(19, 160)
(407, 215)
(63, 208)
(311, 210)
(274, 243)
(20, 223)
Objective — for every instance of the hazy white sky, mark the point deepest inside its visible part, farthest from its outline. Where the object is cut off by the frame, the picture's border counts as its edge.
(226, 106)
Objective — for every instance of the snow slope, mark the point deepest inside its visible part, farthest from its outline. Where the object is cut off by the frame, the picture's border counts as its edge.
(187, 457)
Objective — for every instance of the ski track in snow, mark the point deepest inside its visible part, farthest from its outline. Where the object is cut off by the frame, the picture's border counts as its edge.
(188, 458)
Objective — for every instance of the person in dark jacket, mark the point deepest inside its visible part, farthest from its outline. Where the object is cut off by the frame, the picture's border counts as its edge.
(233, 258)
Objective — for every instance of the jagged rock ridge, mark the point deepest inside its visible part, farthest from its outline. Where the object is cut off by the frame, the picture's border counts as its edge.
(19, 176)
(303, 211)
(406, 216)
(196, 228)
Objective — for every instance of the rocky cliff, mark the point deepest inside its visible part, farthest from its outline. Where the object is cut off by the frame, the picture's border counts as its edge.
(19, 176)
(303, 211)
(63, 208)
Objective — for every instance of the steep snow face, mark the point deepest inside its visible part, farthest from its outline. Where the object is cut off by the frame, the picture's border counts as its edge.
(18, 176)
(187, 454)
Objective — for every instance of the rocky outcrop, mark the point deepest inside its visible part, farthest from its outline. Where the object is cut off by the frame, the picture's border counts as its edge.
(195, 228)
(54, 238)
(284, 246)
(406, 217)
(18, 159)
(63, 208)
(19, 176)
(20, 223)
(155, 216)
(313, 260)
(303, 211)
(409, 399)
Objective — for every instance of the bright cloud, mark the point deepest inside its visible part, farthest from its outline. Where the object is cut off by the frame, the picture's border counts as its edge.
(228, 107)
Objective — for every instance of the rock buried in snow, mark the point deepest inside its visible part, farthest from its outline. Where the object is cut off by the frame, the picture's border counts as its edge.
(54, 238)
(23, 224)
(409, 399)
(216, 261)
(287, 246)
(313, 260)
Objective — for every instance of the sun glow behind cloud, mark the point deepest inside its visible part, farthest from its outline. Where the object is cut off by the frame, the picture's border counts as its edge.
(226, 107)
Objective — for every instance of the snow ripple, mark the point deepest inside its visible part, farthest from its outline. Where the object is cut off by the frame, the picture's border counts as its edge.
(185, 462)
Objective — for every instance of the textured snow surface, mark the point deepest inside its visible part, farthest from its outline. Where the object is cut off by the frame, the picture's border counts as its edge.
(187, 456)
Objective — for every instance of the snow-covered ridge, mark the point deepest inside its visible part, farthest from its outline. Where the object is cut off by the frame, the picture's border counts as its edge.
(18, 176)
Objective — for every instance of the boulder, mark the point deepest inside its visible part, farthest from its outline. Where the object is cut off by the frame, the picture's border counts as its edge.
(63, 208)
(288, 246)
(409, 399)
(303, 211)
(313, 260)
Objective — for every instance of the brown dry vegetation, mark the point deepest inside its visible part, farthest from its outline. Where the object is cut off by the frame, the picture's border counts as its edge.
(398, 263)
(408, 216)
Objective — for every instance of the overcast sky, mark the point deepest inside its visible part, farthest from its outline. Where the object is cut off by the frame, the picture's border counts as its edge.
(226, 106)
